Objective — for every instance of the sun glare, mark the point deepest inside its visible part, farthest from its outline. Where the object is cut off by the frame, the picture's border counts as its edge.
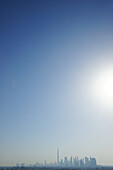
(103, 87)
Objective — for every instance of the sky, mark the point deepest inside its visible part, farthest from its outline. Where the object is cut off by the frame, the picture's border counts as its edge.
(56, 79)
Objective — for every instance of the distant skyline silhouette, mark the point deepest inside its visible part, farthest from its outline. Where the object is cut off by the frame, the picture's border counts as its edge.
(72, 162)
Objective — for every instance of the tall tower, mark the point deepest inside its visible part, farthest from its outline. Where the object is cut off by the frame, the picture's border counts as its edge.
(57, 156)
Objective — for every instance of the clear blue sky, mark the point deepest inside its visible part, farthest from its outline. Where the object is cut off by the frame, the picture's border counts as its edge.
(50, 53)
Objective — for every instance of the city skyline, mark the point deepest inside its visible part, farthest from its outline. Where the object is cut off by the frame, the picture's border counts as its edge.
(74, 162)
(56, 80)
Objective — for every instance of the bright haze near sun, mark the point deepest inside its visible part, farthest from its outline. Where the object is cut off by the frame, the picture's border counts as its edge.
(103, 87)
(56, 80)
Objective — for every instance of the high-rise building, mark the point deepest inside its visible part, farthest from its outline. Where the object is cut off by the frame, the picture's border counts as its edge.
(65, 161)
(58, 156)
(70, 162)
(81, 163)
(86, 162)
(92, 162)
(61, 162)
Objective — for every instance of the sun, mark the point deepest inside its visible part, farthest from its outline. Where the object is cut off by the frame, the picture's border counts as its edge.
(103, 87)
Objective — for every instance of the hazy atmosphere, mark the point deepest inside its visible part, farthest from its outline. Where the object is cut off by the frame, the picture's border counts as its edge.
(56, 80)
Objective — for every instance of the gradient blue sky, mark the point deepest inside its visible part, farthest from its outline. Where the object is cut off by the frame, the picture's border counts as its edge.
(51, 52)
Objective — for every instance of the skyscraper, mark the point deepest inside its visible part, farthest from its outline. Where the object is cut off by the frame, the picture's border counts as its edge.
(58, 156)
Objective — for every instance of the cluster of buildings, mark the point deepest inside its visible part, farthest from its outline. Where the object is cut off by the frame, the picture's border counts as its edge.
(72, 162)
(75, 162)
